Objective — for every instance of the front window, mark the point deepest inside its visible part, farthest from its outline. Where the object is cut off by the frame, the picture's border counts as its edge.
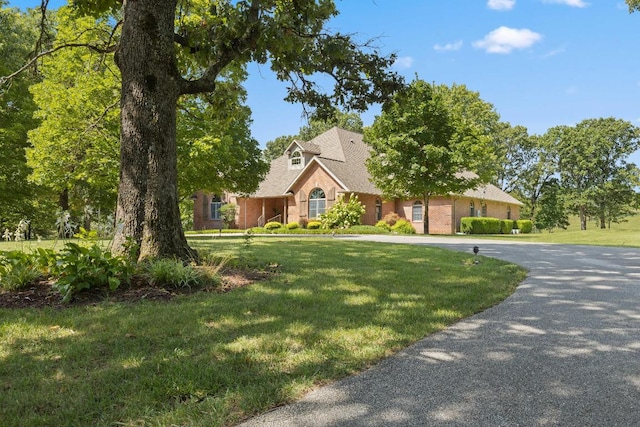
(508, 212)
(378, 210)
(484, 210)
(216, 204)
(416, 213)
(317, 203)
(472, 209)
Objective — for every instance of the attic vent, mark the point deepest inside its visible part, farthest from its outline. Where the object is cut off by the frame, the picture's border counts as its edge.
(351, 140)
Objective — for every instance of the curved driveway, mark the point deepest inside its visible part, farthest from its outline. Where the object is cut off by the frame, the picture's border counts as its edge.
(563, 350)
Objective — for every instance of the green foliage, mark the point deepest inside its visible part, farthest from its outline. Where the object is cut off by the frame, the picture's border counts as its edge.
(228, 213)
(314, 225)
(84, 234)
(402, 226)
(343, 214)
(173, 273)
(506, 225)
(293, 226)
(552, 212)
(273, 225)
(17, 270)
(384, 225)
(480, 225)
(79, 267)
(524, 225)
(391, 218)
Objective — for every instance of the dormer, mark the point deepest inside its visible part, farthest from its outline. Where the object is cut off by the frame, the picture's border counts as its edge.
(300, 153)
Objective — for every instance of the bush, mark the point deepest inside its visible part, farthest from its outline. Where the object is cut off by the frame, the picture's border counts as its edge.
(343, 214)
(391, 218)
(17, 270)
(80, 267)
(293, 226)
(402, 226)
(273, 225)
(524, 225)
(383, 225)
(475, 225)
(314, 225)
(506, 225)
(173, 273)
(303, 222)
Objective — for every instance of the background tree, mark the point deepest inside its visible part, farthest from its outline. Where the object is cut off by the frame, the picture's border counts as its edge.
(346, 120)
(422, 146)
(592, 157)
(552, 212)
(516, 152)
(634, 5)
(19, 198)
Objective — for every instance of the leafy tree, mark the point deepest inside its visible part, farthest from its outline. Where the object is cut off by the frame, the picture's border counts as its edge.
(552, 213)
(424, 145)
(634, 5)
(592, 160)
(169, 49)
(75, 148)
(345, 120)
(516, 152)
(18, 197)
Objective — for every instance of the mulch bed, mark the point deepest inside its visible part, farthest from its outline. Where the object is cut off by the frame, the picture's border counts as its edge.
(41, 294)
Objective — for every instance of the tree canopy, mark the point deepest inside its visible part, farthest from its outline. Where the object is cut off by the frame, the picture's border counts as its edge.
(426, 142)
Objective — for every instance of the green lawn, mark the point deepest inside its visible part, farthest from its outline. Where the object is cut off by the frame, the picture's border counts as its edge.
(333, 309)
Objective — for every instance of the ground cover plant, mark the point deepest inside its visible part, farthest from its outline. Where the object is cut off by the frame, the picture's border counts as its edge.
(329, 309)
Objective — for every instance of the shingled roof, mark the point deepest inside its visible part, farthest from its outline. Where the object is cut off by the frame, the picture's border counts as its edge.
(343, 155)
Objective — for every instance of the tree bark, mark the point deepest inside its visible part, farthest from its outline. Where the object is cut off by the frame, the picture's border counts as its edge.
(147, 213)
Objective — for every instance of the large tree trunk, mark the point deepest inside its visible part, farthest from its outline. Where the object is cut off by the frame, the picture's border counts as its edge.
(147, 212)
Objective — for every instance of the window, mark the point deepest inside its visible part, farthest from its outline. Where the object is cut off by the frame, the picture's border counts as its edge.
(416, 211)
(508, 212)
(484, 209)
(317, 203)
(378, 210)
(472, 209)
(295, 161)
(216, 204)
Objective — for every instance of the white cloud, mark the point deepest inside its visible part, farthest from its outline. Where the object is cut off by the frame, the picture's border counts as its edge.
(448, 47)
(554, 52)
(505, 39)
(501, 4)
(403, 62)
(572, 3)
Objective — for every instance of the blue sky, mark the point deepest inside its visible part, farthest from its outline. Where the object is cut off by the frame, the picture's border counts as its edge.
(541, 63)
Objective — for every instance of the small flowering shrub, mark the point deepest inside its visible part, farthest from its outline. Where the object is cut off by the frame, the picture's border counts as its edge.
(343, 214)
(403, 226)
(273, 225)
(314, 225)
(391, 218)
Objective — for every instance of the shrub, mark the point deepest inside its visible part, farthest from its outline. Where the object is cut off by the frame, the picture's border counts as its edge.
(18, 270)
(391, 218)
(475, 225)
(273, 225)
(293, 226)
(314, 225)
(524, 225)
(173, 273)
(343, 214)
(506, 225)
(402, 226)
(383, 225)
(80, 267)
(303, 222)
(228, 213)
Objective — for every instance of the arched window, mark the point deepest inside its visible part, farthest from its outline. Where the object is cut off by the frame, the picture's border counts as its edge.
(472, 209)
(378, 210)
(416, 211)
(317, 203)
(295, 160)
(215, 205)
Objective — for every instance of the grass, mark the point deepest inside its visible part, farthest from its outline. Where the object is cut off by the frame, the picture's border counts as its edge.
(335, 308)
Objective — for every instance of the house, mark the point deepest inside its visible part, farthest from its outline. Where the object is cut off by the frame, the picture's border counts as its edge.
(310, 176)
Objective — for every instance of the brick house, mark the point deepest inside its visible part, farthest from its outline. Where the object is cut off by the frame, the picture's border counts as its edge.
(310, 176)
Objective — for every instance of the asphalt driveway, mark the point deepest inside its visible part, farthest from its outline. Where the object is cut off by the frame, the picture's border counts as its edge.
(563, 350)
